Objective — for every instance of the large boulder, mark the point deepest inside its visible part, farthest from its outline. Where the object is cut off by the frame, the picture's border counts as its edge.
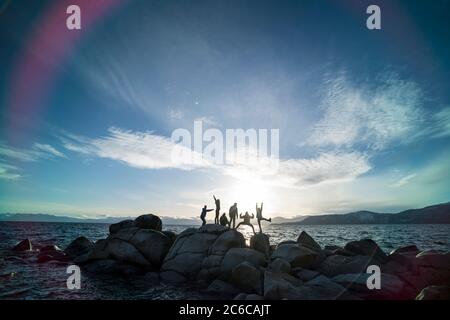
(305, 274)
(367, 247)
(24, 245)
(338, 264)
(51, 253)
(236, 256)
(280, 266)
(246, 277)
(261, 243)
(115, 227)
(79, 247)
(434, 293)
(152, 245)
(197, 254)
(148, 221)
(391, 287)
(305, 240)
(297, 256)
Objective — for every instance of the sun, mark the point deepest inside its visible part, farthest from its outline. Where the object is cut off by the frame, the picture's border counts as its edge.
(248, 193)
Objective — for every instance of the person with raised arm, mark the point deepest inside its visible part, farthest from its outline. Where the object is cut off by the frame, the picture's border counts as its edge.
(203, 214)
(246, 217)
(217, 202)
(259, 216)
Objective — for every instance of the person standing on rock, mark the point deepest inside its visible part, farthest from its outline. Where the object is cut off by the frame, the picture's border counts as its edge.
(259, 216)
(246, 221)
(217, 201)
(224, 220)
(233, 213)
(203, 214)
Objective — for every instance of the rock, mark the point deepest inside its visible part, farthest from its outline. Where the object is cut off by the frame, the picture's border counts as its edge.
(331, 247)
(78, 247)
(49, 248)
(391, 286)
(246, 277)
(152, 277)
(51, 253)
(434, 293)
(105, 266)
(305, 274)
(251, 297)
(280, 266)
(411, 249)
(148, 221)
(296, 255)
(124, 251)
(236, 256)
(282, 243)
(171, 235)
(367, 247)
(152, 245)
(198, 253)
(433, 258)
(222, 288)
(337, 264)
(115, 227)
(305, 240)
(226, 240)
(323, 281)
(172, 277)
(260, 242)
(277, 287)
(24, 245)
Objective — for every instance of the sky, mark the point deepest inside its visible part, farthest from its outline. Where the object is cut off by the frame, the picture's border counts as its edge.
(87, 115)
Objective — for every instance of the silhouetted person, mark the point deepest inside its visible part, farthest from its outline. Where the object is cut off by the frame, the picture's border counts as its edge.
(203, 214)
(217, 201)
(233, 213)
(259, 216)
(224, 220)
(246, 221)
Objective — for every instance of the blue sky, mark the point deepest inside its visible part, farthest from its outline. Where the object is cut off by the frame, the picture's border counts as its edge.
(364, 116)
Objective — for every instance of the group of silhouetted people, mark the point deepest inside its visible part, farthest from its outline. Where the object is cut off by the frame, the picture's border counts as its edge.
(233, 214)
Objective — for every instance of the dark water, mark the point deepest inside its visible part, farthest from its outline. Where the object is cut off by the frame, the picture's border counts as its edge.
(22, 278)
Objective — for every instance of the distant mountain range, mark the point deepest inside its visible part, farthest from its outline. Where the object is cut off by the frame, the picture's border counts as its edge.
(38, 217)
(437, 214)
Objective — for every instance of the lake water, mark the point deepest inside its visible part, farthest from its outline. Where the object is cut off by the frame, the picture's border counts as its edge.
(22, 278)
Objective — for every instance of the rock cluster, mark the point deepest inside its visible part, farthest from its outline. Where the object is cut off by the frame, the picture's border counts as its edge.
(217, 258)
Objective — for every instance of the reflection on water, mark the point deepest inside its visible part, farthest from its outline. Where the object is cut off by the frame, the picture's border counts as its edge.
(22, 278)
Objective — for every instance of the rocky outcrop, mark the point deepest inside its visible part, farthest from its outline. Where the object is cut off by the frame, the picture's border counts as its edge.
(305, 240)
(197, 254)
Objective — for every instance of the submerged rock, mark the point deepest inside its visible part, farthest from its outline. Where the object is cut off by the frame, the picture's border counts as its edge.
(24, 245)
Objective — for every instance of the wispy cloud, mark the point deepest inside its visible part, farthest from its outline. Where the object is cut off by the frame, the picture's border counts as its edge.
(38, 151)
(9, 172)
(403, 181)
(371, 117)
(48, 149)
